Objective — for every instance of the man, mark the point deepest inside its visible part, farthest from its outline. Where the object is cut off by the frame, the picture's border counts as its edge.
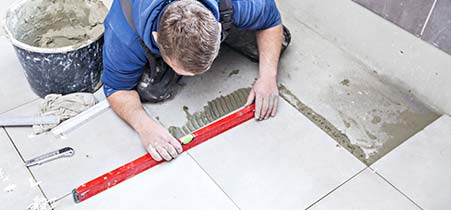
(149, 43)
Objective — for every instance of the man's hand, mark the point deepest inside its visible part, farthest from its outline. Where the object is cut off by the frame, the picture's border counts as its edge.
(155, 138)
(266, 96)
(159, 143)
(265, 92)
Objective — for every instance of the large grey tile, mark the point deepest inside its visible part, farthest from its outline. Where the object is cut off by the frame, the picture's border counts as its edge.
(438, 29)
(420, 166)
(178, 185)
(14, 90)
(17, 186)
(284, 163)
(408, 14)
(366, 191)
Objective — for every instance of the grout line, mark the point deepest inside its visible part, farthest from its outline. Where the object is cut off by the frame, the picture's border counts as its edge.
(333, 190)
(386, 180)
(214, 181)
(18, 106)
(28, 169)
(426, 22)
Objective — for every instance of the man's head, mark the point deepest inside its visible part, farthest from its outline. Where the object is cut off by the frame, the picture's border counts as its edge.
(189, 37)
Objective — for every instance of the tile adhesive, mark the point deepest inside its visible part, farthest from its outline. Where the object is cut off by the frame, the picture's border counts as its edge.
(55, 24)
(214, 110)
(58, 43)
(322, 123)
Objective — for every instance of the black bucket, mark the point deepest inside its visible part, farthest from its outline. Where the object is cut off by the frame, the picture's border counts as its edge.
(59, 43)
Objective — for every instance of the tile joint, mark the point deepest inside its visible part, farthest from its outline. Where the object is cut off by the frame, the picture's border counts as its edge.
(333, 190)
(426, 22)
(397, 189)
(28, 169)
(214, 181)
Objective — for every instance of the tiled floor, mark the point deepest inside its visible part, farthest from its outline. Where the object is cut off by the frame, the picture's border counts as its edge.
(181, 184)
(420, 167)
(365, 191)
(17, 185)
(265, 168)
(284, 163)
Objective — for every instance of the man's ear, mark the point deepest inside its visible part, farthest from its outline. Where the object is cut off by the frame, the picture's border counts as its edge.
(155, 36)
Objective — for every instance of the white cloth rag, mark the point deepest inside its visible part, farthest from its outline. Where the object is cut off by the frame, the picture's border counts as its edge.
(64, 107)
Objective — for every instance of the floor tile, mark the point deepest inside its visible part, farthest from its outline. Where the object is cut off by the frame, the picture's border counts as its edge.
(438, 29)
(284, 163)
(15, 90)
(366, 191)
(408, 14)
(17, 186)
(420, 167)
(180, 184)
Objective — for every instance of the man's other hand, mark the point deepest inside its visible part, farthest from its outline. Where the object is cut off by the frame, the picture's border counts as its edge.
(160, 143)
(266, 96)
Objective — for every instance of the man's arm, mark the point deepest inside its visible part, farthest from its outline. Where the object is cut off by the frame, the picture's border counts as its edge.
(265, 91)
(155, 138)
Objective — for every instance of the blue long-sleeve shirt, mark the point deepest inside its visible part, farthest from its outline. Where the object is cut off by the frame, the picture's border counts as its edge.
(123, 56)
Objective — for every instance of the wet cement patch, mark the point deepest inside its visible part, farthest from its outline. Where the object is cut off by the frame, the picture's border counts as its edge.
(61, 23)
(214, 110)
(375, 115)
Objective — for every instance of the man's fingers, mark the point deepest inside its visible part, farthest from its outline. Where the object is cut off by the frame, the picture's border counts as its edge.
(171, 150)
(264, 107)
(164, 153)
(153, 152)
(270, 107)
(276, 104)
(250, 98)
(176, 144)
(258, 106)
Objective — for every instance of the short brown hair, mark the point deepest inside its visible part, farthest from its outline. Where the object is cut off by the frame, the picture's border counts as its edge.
(189, 33)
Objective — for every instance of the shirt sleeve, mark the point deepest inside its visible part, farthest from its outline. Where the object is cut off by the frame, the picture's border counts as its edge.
(123, 63)
(256, 14)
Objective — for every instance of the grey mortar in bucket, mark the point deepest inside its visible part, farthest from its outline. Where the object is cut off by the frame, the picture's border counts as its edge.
(59, 43)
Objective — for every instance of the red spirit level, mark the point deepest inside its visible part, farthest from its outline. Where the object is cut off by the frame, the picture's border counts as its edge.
(118, 175)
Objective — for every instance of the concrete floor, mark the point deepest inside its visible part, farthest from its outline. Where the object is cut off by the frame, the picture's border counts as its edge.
(289, 162)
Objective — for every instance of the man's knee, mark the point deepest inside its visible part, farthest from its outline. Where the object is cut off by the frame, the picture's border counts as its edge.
(159, 85)
(286, 38)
